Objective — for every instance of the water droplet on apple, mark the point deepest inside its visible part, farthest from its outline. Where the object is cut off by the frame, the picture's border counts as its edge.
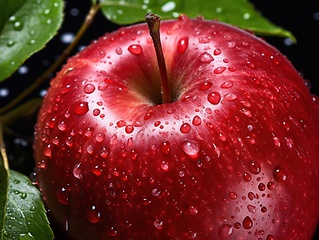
(219, 70)
(270, 237)
(280, 174)
(230, 97)
(47, 151)
(62, 126)
(89, 132)
(196, 121)
(205, 86)
(214, 98)
(190, 147)
(193, 210)
(165, 147)
(118, 51)
(185, 128)
(104, 152)
(276, 141)
(121, 123)
(233, 195)
(93, 215)
(164, 165)
(247, 177)
(100, 137)
(261, 187)
(77, 172)
(255, 167)
(81, 108)
(251, 208)
(113, 140)
(182, 45)
(69, 141)
(227, 85)
(135, 49)
(63, 196)
(206, 57)
(90, 149)
(96, 112)
(225, 231)
(112, 232)
(217, 51)
(158, 224)
(129, 129)
(247, 223)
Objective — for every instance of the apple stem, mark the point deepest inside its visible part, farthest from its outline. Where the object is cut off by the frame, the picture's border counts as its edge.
(153, 22)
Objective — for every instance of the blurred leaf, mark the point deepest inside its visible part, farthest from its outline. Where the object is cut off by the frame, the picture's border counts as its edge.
(25, 27)
(25, 213)
(236, 12)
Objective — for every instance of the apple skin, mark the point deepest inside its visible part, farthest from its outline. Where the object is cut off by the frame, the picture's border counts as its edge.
(235, 156)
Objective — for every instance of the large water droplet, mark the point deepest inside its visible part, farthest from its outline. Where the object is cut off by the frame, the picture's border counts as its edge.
(135, 49)
(63, 195)
(89, 88)
(280, 174)
(182, 45)
(190, 147)
(100, 137)
(196, 121)
(93, 215)
(205, 86)
(247, 223)
(185, 128)
(81, 108)
(255, 167)
(206, 57)
(77, 172)
(219, 70)
(225, 231)
(214, 98)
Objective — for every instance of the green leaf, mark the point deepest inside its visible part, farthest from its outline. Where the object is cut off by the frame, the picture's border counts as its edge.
(240, 13)
(25, 27)
(25, 213)
(3, 191)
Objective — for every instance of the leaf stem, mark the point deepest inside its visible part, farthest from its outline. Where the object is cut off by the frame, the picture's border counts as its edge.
(153, 22)
(87, 22)
(3, 150)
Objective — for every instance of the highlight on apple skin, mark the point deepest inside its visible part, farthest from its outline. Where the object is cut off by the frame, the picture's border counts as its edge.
(234, 155)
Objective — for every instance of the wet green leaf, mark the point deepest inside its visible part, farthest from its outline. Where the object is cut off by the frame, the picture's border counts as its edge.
(25, 27)
(236, 12)
(25, 213)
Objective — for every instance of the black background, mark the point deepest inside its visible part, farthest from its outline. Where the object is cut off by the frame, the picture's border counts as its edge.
(299, 17)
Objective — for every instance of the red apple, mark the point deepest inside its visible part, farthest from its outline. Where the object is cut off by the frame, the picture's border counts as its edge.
(234, 155)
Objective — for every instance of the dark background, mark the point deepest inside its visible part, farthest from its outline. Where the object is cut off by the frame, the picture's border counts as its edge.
(299, 17)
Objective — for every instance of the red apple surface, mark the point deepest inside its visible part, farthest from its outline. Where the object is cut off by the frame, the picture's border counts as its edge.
(235, 155)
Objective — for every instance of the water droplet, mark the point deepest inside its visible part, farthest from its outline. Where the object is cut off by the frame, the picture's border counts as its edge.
(251, 208)
(219, 70)
(233, 195)
(129, 129)
(135, 49)
(182, 45)
(17, 25)
(164, 165)
(169, 6)
(81, 108)
(225, 231)
(227, 85)
(100, 137)
(47, 151)
(63, 196)
(118, 50)
(158, 224)
(276, 141)
(185, 128)
(217, 51)
(89, 88)
(190, 147)
(112, 232)
(205, 86)
(104, 152)
(280, 174)
(165, 147)
(270, 237)
(77, 172)
(193, 210)
(206, 57)
(93, 215)
(247, 223)
(247, 177)
(10, 43)
(261, 187)
(255, 167)
(230, 97)
(214, 98)
(196, 121)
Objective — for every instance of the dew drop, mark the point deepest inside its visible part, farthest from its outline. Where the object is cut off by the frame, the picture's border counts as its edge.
(254, 167)
(77, 172)
(96, 112)
(196, 121)
(158, 224)
(206, 57)
(93, 215)
(100, 137)
(230, 97)
(104, 152)
(219, 70)
(227, 85)
(112, 232)
(118, 50)
(270, 237)
(233, 195)
(214, 98)
(251, 208)
(217, 51)
(81, 108)
(90, 149)
(89, 88)
(247, 177)
(247, 223)
(205, 86)
(280, 174)
(182, 45)
(225, 231)
(47, 151)
(129, 129)
(17, 25)
(165, 147)
(63, 196)
(135, 49)
(190, 147)
(193, 210)
(164, 165)
(185, 128)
